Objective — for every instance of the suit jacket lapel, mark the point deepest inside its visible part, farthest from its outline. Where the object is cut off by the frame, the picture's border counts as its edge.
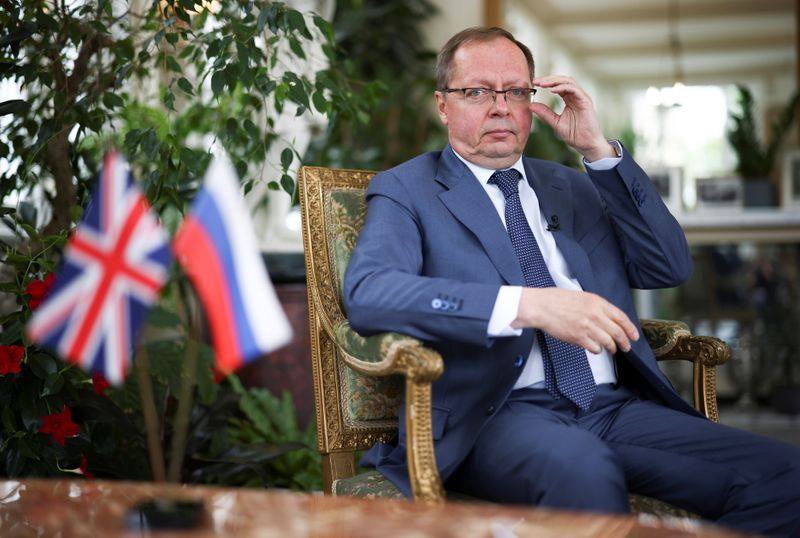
(468, 202)
(553, 189)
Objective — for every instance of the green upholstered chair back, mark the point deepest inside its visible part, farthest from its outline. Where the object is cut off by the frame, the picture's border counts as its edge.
(353, 410)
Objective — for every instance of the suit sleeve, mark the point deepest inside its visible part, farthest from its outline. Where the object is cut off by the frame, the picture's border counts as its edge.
(385, 285)
(653, 244)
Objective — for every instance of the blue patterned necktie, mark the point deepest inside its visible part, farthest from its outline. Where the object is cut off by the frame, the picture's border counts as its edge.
(566, 368)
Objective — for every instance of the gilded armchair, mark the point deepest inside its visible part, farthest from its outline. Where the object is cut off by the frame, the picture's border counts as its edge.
(358, 382)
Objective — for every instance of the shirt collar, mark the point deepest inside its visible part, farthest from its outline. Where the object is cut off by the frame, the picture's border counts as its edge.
(483, 174)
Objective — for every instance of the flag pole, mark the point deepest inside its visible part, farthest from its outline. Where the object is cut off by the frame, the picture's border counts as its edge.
(150, 420)
(185, 400)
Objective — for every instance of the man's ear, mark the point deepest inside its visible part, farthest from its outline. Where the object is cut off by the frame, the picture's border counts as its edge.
(441, 106)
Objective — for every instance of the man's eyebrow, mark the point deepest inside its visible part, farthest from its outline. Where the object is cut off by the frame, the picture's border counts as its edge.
(486, 84)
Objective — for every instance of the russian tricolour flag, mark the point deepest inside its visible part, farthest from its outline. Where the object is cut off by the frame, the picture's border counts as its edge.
(217, 248)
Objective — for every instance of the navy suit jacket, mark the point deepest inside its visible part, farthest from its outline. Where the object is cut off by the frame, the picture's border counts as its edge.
(433, 254)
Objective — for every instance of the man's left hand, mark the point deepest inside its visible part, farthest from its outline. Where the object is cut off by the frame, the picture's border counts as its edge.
(577, 125)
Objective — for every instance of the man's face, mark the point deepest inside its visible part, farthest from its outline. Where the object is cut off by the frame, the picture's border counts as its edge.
(492, 134)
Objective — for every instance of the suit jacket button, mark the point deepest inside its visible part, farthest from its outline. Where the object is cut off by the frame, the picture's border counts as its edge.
(437, 304)
(490, 410)
(519, 361)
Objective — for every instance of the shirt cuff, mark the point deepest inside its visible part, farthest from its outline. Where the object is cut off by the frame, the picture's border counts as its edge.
(606, 163)
(504, 312)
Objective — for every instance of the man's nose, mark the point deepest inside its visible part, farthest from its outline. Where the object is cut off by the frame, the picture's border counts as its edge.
(499, 102)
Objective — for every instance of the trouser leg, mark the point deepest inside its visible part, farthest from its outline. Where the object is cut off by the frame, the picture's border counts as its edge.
(739, 479)
(529, 454)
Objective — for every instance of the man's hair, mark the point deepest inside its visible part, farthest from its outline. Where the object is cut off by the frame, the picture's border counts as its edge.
(479, 34)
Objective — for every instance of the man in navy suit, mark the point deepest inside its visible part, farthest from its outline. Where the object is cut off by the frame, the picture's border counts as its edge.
(435, 261)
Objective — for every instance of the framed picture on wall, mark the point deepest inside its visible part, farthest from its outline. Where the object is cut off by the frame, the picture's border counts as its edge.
(667, 180)
(790, 183)
(719, 192)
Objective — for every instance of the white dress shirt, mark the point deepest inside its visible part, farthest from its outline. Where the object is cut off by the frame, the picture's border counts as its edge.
(507, 303)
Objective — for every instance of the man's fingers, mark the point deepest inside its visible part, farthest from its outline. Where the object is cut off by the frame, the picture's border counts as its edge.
(621, 319)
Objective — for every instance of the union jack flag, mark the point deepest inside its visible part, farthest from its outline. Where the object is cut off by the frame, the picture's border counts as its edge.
(114, 266)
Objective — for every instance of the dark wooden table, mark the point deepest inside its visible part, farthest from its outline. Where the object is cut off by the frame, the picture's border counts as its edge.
(97, 509)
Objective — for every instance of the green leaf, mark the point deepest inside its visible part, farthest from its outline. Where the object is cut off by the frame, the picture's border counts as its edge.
(7, 416)
(254, 452)
(320, 102)
(112, 100)
(169, 100)
(9, 287)
(53, 384)
(185, 85)
(173, 65)
(184, 16)
(217, 82)
(42, 365)
(123, 72)
(287, 156)
(252, 129)
(214, 48)
(30, 231)
(14, 459)
(287, 184)
(297, 23)
(297, 48)
(324, 26)
(262, 19)
(241, 168)
(28, 448)
(206, 388)
(12, 106)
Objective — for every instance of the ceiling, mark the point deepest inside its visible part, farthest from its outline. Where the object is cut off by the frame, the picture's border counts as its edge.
(645, 42)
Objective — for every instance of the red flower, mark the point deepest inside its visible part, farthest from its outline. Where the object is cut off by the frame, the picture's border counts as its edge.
(84, 468)
(10, 358)
(100, 384)
(60, 425)
(38, 289)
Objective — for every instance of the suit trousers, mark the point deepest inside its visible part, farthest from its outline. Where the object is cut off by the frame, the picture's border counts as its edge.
(542, 451)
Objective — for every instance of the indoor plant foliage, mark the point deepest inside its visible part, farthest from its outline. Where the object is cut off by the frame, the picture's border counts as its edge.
(756, 159)
(57, 419)
(156, 79)
(384, 45)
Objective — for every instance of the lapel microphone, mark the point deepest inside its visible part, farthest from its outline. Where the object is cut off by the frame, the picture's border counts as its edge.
(553, 226)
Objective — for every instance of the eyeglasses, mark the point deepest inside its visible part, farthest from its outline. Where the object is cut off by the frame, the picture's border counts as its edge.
(479, 96)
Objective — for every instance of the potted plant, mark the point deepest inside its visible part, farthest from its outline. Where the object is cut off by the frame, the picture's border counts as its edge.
(151, 78)
(756, 160)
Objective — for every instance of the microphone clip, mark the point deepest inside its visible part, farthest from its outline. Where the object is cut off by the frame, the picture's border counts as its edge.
(554, 225)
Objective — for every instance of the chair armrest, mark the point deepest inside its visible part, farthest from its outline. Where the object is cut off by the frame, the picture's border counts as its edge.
(672, 340)
(388, 353)
(662, 334)
(394, 353)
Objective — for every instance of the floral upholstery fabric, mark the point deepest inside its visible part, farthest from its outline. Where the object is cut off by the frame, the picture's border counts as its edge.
(371, 398)
(367, 398)
(370, 484)
(348, 210)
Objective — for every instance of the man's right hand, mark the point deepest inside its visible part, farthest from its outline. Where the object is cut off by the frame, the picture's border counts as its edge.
(577, 317)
